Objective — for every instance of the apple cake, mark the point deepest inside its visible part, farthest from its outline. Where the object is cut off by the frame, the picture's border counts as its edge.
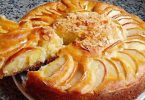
(84, 50)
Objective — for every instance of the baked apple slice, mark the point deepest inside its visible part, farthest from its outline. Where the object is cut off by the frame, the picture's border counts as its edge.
(120, 67)
(93, 76)
(63, 73)
(130, 25)
(129, 63)
(111, 70)
(135, 44)
(139, 37)
(79, 5)
(113, 13)
(137, 55)
(7, 25)
(136, 31)
(12, 40)
(74, 77)
(115, 46)
(122, 16)
(124, 21)
(102, 8)
(87, 5)
(49, 69)
(112, 74)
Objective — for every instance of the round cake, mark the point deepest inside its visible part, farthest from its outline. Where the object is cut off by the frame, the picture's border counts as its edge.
(84, 50)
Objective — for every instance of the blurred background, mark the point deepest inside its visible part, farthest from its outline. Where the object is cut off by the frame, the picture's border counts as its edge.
(15, 9)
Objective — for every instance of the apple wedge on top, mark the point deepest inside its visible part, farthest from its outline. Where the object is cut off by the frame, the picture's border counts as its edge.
(7, 25)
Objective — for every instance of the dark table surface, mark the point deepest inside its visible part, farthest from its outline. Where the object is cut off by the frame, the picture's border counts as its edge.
(15, 9)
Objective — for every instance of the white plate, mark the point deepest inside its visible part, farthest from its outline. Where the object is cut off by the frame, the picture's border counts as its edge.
(20, 80)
